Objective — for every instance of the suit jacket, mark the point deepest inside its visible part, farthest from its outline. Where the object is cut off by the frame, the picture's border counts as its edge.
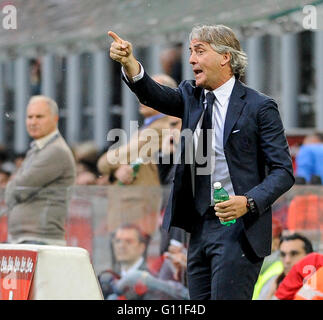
(255, 148)
(148, 172)
(37, 195)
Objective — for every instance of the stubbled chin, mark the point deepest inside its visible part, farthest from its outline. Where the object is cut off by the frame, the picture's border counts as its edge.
(199, 83)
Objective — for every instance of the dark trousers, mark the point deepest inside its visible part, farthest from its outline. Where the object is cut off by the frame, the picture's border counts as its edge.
(221, 263)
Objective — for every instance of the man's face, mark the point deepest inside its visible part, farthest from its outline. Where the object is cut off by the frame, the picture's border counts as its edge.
(40, 120)
(127, 247)
(210, 68)
(291, 252)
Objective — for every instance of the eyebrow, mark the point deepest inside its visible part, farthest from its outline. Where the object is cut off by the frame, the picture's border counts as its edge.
(197, 45)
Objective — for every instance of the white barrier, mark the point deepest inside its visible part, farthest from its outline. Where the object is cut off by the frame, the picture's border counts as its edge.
(60, 273)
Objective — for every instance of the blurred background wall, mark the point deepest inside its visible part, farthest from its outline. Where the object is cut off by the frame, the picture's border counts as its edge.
(60, 48)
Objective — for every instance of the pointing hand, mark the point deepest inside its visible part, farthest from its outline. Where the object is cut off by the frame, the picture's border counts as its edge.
(121, 51)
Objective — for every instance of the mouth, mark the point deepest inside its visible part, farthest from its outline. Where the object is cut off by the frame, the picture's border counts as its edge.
(197, 72)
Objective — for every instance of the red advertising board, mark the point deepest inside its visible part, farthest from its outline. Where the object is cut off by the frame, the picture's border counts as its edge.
(17, 268)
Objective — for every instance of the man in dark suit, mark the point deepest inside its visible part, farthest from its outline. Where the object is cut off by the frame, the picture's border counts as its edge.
(247, 152)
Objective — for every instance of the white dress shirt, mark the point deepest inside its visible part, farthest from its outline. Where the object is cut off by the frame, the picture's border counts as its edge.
(134, 267)
(219, 166)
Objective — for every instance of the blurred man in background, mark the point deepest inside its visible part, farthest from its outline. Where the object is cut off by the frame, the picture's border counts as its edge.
(129, 246)
(309, 162)
(304, 281)
(36, 194)
(148, 171)
(292, 249)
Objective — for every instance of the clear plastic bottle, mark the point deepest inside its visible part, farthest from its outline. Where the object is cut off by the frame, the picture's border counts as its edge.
(220, 195)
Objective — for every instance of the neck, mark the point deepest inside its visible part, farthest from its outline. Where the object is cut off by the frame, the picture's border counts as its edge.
(126, 265)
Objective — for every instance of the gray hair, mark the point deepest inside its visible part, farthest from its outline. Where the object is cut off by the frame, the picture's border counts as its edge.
(50, 102)
(223, 40)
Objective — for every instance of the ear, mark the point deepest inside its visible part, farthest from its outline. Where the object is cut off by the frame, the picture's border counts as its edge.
(226, 57)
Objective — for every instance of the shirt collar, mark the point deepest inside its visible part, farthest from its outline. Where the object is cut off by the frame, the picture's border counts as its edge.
(40, 143)
(135, 266)
(223, 92)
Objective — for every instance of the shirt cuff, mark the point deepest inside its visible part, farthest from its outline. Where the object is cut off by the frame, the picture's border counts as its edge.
(136, 78)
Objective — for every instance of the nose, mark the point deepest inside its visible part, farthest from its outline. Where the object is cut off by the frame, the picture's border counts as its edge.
(32, 121)
(287, 260)
(192, 59)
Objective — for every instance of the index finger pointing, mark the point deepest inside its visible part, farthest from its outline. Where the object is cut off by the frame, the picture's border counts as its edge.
(115, 37)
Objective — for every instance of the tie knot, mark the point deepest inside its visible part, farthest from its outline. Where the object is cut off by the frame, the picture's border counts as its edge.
(210, 97)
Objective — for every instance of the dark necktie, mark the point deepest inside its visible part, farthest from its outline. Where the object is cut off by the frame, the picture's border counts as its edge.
(203, 181)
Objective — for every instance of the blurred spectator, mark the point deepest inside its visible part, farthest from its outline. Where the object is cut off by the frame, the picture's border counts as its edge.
(312, 288)
(133, 281)
(18, 159)
(303, 282)
(171, 62)
(175, 263)
(35, 76)
(272, 265)
(148, 171)
(86, 153)
(86, 178)
(129, 245)
(36, 195)
(166, 166)
(102, 180)
(309, 158)
(292, 248)
(4, 178)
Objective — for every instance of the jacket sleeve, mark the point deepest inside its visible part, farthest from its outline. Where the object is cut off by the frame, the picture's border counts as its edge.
(45, 169)
(162, 98)
(273, 145)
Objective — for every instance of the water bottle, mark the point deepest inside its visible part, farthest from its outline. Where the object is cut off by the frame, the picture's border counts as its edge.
(220, 195)
(135, 167)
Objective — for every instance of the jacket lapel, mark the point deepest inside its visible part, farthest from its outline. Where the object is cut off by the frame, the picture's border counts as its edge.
(196, 108)
(235, 107)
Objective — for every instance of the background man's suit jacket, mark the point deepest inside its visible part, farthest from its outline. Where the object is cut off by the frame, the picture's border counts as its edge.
(255, 147)
(37, 195)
